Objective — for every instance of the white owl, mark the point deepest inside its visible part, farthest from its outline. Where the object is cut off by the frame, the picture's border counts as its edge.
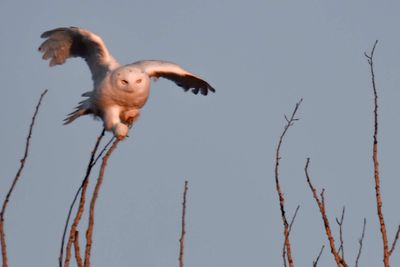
(119, 91)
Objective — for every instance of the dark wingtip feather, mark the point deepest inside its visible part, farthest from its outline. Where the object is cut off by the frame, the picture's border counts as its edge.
(45, 34)
(50, 32)
(211, 88)
(188, 82)
(204, 91)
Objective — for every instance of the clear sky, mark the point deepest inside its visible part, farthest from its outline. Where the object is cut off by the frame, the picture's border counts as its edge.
(262, 57)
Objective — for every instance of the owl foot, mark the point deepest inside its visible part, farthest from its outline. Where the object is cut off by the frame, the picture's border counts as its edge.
(120, 131)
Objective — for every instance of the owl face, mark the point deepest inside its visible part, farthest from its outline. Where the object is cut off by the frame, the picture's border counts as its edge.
(128, 79)
(132, 83)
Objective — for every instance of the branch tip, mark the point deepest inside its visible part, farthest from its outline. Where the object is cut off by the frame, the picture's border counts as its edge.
(286, 251)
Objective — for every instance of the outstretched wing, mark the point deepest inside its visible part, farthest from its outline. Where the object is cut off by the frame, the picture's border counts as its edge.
(63, 43)
(173, 72)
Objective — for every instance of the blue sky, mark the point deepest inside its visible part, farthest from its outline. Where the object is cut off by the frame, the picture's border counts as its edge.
(262, 57)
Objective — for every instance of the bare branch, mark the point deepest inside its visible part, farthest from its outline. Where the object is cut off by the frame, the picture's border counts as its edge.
(16, 178)
(77, 250)
(376, 162)
(78, 216)
(284, 255)
(321, 205)
(290, 229)
(89, 232)
(340, 223)
(290, 122)
(103, 150)
(395, 241)
(183, 225)
(315, 263)
(360, 242)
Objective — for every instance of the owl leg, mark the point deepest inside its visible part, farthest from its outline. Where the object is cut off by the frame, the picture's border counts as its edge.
(113, 123)
(130, 116)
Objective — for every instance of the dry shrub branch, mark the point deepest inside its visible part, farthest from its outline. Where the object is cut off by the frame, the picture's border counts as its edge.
(72, 236)
(89, 232)
(320, 200)
(183, 226)
(16, 178)
(287, 248)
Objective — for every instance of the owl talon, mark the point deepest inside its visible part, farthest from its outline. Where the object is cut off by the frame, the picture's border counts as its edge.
(120, 131)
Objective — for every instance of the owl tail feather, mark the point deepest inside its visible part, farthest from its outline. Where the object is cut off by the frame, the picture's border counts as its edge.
(82, 109)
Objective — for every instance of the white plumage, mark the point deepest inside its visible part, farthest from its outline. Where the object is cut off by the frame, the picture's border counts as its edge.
(119, 91)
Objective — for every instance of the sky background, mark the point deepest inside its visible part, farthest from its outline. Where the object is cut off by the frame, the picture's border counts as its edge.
(262, 57)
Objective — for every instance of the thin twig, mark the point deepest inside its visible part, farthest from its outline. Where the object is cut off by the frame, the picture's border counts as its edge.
(360, 242)
(284, 254)
(89, 232)
(79, 213)
(315, 263)
(183, 226)
(321, 205)
(340, 223)
(395, 241)
(16, 178)
(290, 229)
(293, 218)
(290, 121)
(77, 250)
(376, 162)
(103, 150)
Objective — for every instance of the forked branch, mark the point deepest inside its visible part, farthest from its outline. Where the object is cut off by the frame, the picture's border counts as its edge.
(360, 242)
(320, 200)
(290, 121)
(89, 232)
(77, 250)
(82, 189)
(290, 229)
(315, 263)
(386, 254)
(340, 223)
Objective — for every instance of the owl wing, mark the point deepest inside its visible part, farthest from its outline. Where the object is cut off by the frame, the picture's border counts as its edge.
(173, 72)
(63, 43)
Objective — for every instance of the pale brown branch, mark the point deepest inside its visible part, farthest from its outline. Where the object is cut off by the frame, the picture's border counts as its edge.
(16, 178)
(77, 250)
(183, 226)
(81, 207)
(340, 223)
(395, 241)
(103, 150)
(3, 244)
(315, 263)
(89, 232)
(290, 121)
(321, 205)
(360, 242)
(290, 229)
(376, 162)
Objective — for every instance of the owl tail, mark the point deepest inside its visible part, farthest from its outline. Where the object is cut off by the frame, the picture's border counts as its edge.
(83, 108)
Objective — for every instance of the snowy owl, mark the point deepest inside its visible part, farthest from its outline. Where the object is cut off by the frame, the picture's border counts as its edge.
(119, 91)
